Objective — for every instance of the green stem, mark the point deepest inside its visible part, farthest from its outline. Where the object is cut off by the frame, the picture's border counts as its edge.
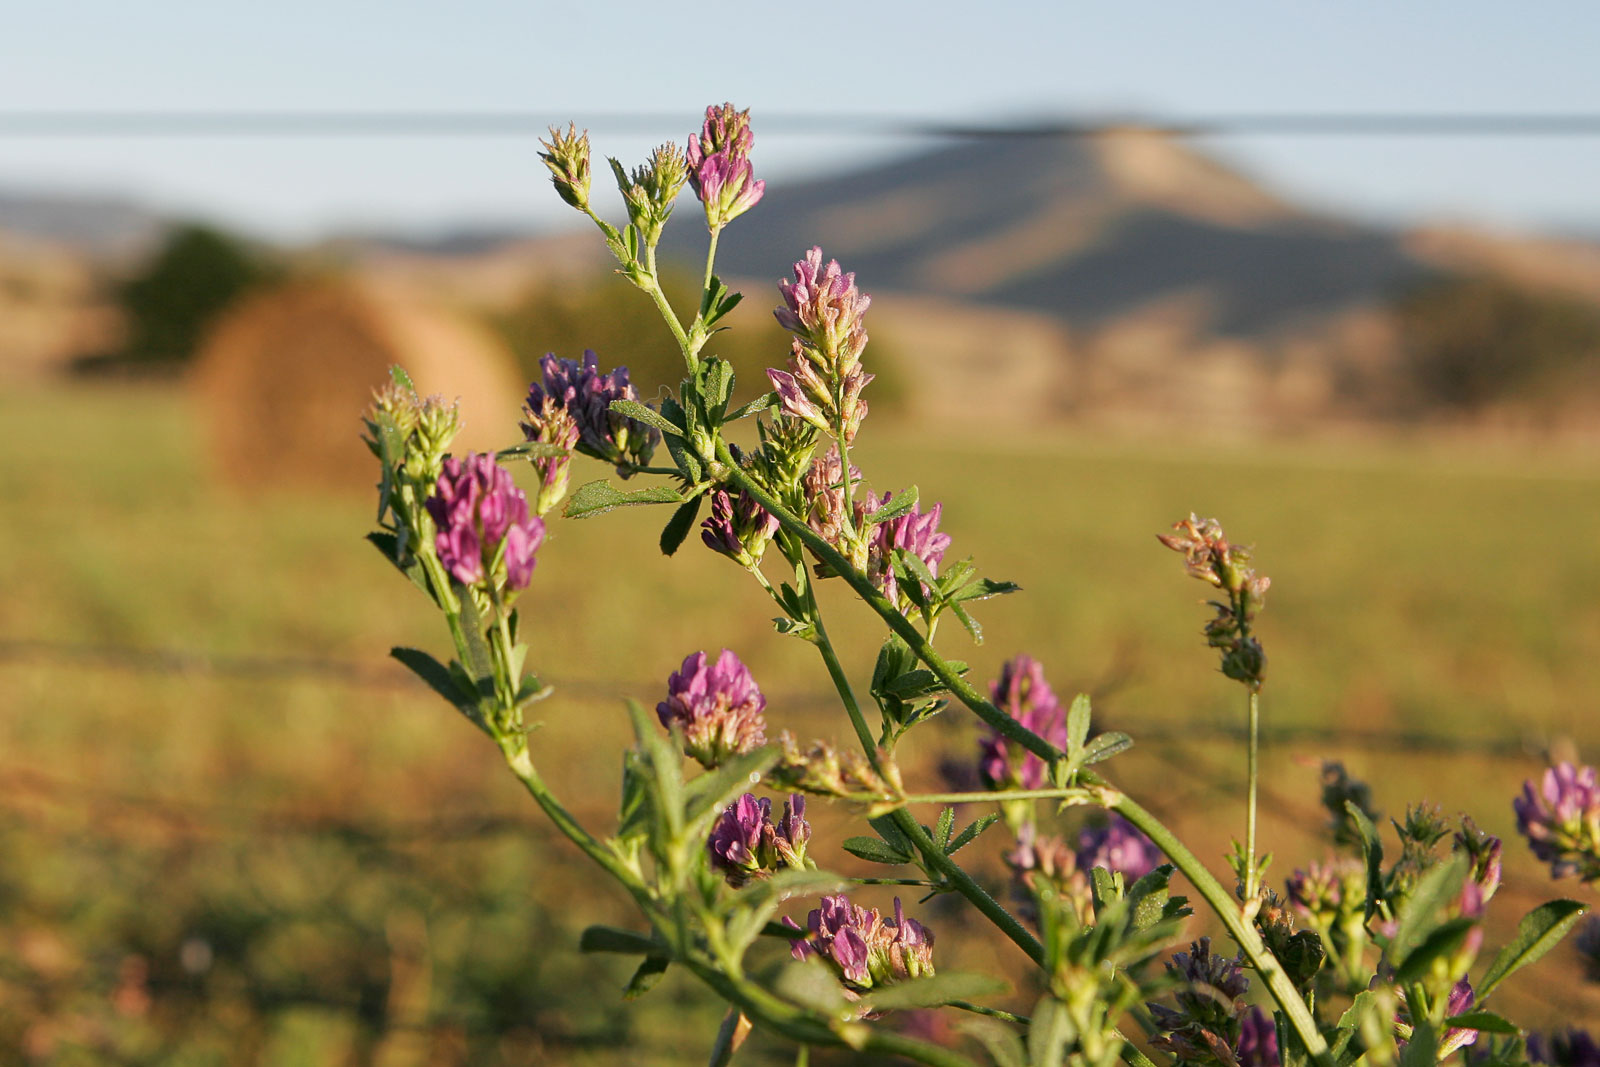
(935, 856)
(999, 796)
(1220, 901)
(1002, 723)
(993, 1013)
(784, 1018)
(711, 259)
(654, 289)
(1251, 875)
(1242, 931)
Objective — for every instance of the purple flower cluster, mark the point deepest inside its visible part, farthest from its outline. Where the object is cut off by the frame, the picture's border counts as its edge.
(863, 946)
(719, 165)
(1038, 862)
(1258, 1040)
(484, 530)
(805, 393)
(746, 844)
(825, 310)
(824, 488)
(1022, 692)
(1574, 1048)
(1561, 820)
(1119, 847)
(717, 706)
(585, 395)
(1206, 1025)
(1325, 893)
(917, 532)
(738, 528)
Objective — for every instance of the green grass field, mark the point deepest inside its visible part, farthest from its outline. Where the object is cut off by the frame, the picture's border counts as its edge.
(276, 850)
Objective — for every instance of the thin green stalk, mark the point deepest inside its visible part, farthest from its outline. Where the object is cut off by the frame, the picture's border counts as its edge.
(711, 259)
(654, 289)
(993, 1013)
(1242, 931)
(1251, 875)
(1002, 723)
(784, 1018)
(998, 796)
(935, 856)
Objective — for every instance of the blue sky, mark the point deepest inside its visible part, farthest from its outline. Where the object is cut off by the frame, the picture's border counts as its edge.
(936, 59)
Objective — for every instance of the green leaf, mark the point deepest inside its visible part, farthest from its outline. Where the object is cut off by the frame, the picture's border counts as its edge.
(611, 939)
(1049, 1033)
(398, 375)
(389, 545)
(760, 403)
(651, 968)
(533, 450)
(678, 527)
(441, 681)
(1078, 723)
(874, 851)
(1539, 931)
(997, 1039)
(1103, 888)
(901, 503)
(1443, 941)
(647, 415)
(1423, 1048)
(969, 622)
(893, 836)
(1486, 1021)
(934, 991)
(666, 769)
(945, 827)
(597, 498)
(812, 985)
(970, 834)
(1106, 745)
(1420, 914)
(713, 791)
(1372, 849)
(480, 664)
(983, 589)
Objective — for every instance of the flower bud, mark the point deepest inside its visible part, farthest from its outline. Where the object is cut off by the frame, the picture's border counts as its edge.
(739, 530)
(567, 156)
(718, 161)
(717, 706)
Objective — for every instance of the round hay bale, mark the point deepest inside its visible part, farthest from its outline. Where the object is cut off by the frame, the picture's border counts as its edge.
(284, 377)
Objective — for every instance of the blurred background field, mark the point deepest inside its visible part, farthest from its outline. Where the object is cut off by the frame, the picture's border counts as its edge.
(1332, 277)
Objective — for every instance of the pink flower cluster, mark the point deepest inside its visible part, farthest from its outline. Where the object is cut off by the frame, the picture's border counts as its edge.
(719, 165)
(484, 529)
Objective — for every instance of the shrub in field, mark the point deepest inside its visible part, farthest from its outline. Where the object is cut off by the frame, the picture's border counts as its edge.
(1372, 957)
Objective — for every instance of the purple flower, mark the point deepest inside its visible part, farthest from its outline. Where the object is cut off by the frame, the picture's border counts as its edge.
(739, 530)
(717, 706)
(1561, 820)
(578, 388)
(917, 532)
(484, 531)
(1484, 849)
(1038, 862)
(826, 311)
(1258, 1040)
(719, 165)
(1574, 1048)
(745, 844)
(737, 837)
(1325, 893)
(1455, 1038)
(1022, 692)
(863, 946)
(1205, 1025)
(1118, 846)
(551, 425)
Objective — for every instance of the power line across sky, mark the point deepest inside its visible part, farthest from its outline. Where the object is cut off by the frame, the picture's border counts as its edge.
(521, 123)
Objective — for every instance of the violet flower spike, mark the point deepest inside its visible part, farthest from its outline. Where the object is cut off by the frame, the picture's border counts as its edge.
(717, 706)
(1119, 846)
(585, 394)
(718, 159)
(826, 311)
(737, 838)
(1258, 1040)
(1024, 694)
(917, 532)
(739, 528)
(485, 535)
(865, 948)
(1561, 820)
